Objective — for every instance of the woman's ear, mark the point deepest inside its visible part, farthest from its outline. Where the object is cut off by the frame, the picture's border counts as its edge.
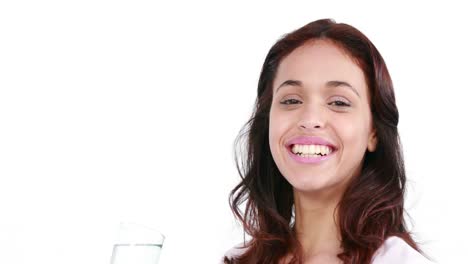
(372, 143)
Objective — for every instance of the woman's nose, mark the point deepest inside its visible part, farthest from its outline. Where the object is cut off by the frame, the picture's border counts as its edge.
(311, 118)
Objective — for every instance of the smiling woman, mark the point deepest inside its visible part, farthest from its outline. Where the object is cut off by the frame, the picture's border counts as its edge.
(345, 128)
(324, 180)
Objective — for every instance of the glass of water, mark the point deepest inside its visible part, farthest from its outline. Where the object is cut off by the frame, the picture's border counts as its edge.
(137, 244)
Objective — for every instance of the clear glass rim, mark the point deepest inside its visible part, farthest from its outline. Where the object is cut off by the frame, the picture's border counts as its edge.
(155, 235)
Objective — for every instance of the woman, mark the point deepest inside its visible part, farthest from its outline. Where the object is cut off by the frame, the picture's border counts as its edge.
(324, 179)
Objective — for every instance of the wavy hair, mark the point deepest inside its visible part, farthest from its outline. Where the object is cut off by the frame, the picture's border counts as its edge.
(372, 206)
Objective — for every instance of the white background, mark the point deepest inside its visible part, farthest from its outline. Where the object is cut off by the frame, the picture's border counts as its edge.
(117, 111)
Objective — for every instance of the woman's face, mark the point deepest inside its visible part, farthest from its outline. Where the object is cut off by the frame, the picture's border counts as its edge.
(318, 99)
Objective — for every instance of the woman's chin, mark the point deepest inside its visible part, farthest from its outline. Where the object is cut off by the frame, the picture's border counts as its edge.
(310, 184)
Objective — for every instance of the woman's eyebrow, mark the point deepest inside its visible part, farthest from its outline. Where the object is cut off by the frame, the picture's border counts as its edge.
(333, 83)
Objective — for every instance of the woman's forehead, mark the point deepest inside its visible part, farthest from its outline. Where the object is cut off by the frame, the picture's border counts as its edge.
(317, 63)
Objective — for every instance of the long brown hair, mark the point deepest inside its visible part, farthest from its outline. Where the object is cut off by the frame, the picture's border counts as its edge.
(372, 206)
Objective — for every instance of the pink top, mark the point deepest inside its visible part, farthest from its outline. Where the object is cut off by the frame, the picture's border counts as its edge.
(394, 250)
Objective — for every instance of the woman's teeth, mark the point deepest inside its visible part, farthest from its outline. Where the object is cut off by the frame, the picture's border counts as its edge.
(311, 150)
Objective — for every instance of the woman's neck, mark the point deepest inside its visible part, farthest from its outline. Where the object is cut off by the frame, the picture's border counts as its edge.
(316, 223)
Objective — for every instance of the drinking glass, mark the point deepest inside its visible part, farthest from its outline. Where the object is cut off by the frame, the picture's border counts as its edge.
(137, 244)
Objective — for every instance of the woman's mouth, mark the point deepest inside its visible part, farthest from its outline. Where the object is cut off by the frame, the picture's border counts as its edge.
(310, 153)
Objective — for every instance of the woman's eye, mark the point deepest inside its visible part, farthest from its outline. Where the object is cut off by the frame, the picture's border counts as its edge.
(340, 103)
(290, 101)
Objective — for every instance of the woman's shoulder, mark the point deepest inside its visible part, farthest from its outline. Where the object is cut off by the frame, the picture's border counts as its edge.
(393, 250)
(396, 250)
(236, 250)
